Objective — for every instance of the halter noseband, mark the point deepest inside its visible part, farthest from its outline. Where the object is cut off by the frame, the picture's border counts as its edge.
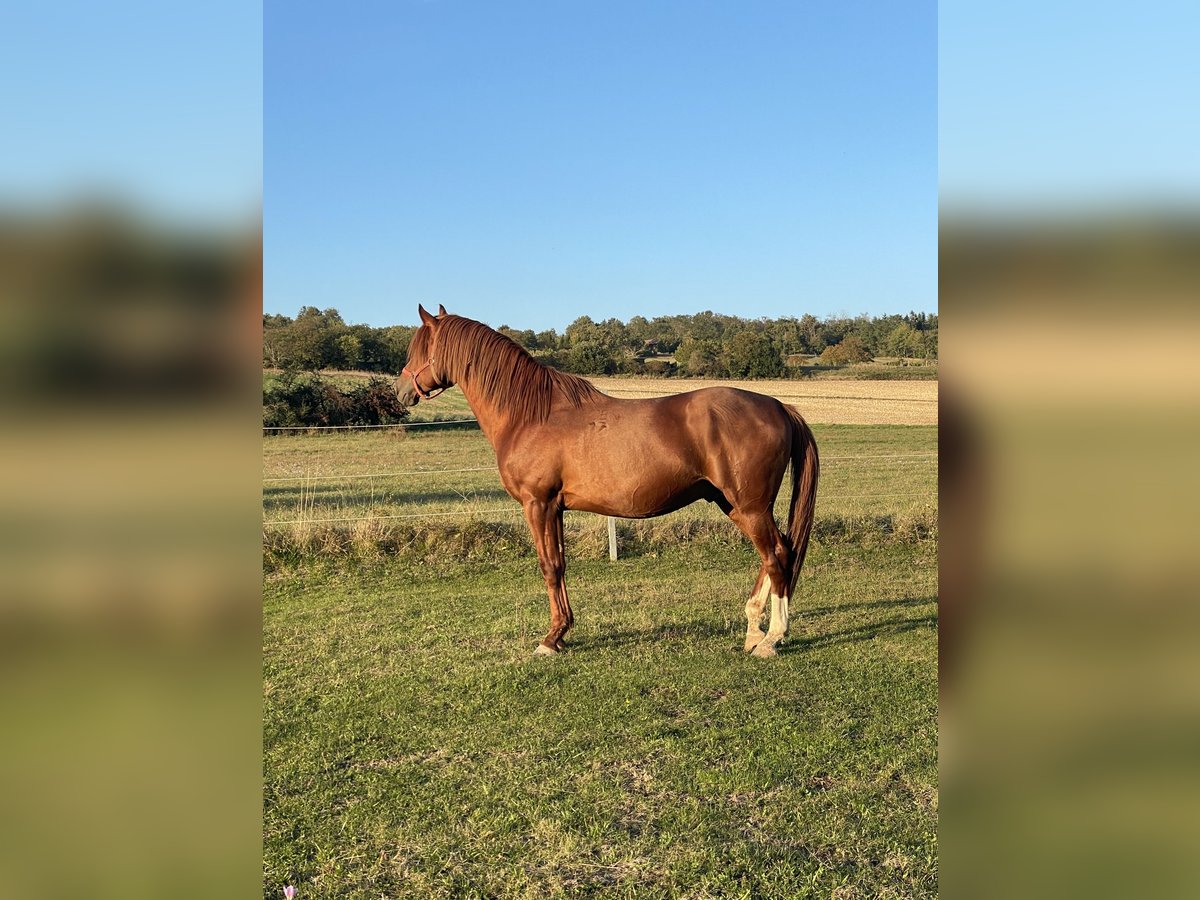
(412, 376)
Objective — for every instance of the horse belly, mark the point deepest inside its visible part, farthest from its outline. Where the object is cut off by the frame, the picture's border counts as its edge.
(633, 479)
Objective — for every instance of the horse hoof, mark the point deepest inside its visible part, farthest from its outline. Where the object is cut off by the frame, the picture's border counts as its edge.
(752, 642)
(543, 650)
(764, 651)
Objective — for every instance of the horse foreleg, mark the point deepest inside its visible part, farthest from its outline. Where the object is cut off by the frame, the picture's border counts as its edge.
(546, 523)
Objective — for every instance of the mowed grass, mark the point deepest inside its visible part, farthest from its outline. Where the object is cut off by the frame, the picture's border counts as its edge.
(415, 748)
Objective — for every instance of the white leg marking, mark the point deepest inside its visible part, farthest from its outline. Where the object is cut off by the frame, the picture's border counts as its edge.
(754, 613)
(779, 627)
(779, 616)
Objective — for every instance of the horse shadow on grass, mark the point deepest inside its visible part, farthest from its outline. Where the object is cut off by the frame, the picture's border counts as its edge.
(667, 631)
(798, 641)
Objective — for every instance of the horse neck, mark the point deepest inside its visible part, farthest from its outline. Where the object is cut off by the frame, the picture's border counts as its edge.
(489, 410)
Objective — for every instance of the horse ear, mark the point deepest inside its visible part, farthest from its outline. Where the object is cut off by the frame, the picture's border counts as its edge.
(425, 317)
(442, 310)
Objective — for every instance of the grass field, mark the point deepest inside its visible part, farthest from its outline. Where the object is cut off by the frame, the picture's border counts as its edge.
(371, 493)
(415, 748)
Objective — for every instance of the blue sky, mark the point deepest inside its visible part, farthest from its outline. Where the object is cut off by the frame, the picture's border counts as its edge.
(530, 162)
(1067, 106)
(158, 105)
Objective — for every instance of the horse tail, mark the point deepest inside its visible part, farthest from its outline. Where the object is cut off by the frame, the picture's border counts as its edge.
(806, 468)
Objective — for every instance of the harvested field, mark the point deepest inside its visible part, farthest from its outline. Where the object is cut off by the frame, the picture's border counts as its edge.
(825, 402)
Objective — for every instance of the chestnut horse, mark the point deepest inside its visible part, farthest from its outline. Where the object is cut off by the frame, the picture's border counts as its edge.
(562, 444)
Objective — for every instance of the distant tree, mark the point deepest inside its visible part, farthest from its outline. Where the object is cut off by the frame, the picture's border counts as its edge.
(904, 340)
(850, 350)
(614, 336)
(683, 353)
(303, 344)
(664, 332)
(931, 343)
(394, 341)
(639, 331)
(582, 330)
(787, 336)
(706, 344)
(750, 354)
(706, 326)
(349, 351)
(589, 358)
(811, 336)
(526, 338)
(700, 357)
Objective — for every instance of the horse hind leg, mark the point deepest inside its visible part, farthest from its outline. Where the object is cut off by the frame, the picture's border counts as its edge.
(778, 628)
(772, 581)
(754, 610)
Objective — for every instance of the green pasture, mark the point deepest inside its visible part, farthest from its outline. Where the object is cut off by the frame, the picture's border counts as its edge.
(381, 473)
(414, 747)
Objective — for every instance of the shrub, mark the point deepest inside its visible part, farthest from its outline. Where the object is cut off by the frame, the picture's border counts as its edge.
(850, 350)
(660, 367)
(294, 400)
(751, 355)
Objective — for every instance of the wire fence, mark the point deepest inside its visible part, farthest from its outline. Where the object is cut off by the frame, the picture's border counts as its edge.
(509, 510)
(440, 422)
(412, 472)
(468, 511)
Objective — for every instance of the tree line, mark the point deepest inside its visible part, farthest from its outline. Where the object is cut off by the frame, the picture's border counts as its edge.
(706, 344)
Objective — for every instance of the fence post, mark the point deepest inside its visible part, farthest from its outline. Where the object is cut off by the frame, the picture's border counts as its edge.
(612, 538)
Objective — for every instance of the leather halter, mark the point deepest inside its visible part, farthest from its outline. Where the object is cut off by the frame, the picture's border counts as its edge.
(412, 376)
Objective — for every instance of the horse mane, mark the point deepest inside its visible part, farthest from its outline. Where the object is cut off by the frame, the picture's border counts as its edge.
(502, 369)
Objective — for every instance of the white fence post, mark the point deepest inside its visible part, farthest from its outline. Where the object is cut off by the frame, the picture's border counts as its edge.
(612, 538)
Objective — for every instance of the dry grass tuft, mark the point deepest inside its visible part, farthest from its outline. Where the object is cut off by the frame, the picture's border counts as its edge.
(374, 540)
(911, 527)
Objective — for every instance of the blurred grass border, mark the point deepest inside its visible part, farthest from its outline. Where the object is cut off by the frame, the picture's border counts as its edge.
(130, 558)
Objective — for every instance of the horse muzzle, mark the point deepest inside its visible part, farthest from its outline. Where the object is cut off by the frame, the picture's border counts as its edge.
(406, 392)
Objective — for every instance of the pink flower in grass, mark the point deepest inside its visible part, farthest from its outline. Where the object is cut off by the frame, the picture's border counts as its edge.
(289, 892)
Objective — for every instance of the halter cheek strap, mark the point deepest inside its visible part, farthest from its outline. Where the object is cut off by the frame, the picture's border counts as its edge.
(412, 376)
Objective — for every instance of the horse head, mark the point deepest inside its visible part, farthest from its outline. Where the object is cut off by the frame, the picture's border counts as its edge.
(423, 376)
